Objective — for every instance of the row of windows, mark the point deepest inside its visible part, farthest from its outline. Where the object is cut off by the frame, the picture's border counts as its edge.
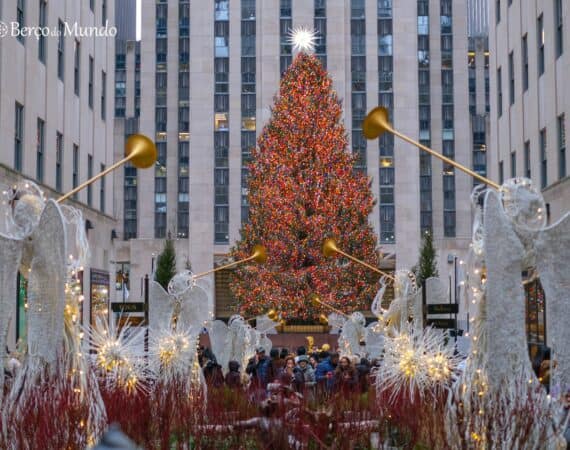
(59, 156)
(285, 25)
(358, 78)
(426, 218)
(524, 61)
(543, 156)
(449, 200)
(248, 101)
(558, 30)
(221, 107)
(320, 24)
(42, 22)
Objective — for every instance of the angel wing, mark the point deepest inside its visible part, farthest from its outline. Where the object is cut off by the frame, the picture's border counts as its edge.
(552, 246)
(376, 307)
(160, 307)
(46, 287)
(265, 325)
(502, 340)
(194, 308)
(218, 332)
(374, 339)
(336, 321)
(10, 256)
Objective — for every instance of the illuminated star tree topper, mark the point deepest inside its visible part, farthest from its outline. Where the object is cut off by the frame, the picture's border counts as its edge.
(303, 39)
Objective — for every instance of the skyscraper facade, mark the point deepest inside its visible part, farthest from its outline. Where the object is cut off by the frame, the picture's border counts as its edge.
(529, 47)
(56, 122)
(209, 72)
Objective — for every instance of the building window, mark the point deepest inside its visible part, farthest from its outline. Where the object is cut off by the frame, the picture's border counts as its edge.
(524, 52)
(498, 10)
(499, 93)
(18, 136)
(558, 23)
(89, 176)
(75, 176)
(40, 150)
(527, 159)
(543, 160)
(103, 12)
(60, 50)
(358, 79)
(540, 43)
(248, 97)
(513, 164)
(103, 95)
(160, 174)
(102, 190)
(161, 20)
(76, 66)
(511, 79)
(92, 5)
(90, 87)
(58, 162)
(21, 18)
(320, 22)
(183, 189)
(285, 25)
(42, 22)
(130, 202)
(501, 173)
(561, 147)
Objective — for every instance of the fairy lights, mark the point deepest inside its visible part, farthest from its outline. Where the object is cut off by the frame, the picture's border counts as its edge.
(303, 189)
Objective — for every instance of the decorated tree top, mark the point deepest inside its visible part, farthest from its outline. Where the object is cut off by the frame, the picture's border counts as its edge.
(302, 190)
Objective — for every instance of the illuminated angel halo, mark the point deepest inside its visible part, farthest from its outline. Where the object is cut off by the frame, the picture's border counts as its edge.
(303, 39)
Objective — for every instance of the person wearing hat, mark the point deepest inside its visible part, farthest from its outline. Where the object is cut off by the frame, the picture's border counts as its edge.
(260, 369)
(306, 369)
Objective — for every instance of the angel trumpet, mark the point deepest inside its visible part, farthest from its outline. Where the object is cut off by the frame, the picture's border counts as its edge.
(139, 150)
(316, 300)
(376, 123)
(259, 255)
(330, 248)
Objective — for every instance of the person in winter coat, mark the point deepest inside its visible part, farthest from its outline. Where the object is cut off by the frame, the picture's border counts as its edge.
(277, 363)
(306, 369)
(260, 369)
(325, 370)
(213, 374)
(233, 377)
(345, 376)
(363, 369)
(291, 375)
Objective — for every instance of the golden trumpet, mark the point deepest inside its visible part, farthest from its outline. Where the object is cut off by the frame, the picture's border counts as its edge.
(323, 320)
(376, 123)
(259, 255)
(139, 150)
(316, 301)
(272, 314)
(330, 248)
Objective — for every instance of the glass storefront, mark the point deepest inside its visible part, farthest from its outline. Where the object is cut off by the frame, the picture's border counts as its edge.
(99, 295)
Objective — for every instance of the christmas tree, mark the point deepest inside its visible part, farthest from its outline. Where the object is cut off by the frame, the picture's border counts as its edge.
(302, 190)
(166, 264)
(427, 264)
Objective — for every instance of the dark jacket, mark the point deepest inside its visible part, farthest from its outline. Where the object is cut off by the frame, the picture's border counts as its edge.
(233, 378)
(346, 380)
(261, 371)
(322, 369)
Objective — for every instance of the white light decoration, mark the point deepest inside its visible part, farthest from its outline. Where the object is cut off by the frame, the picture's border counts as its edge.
(303, 39)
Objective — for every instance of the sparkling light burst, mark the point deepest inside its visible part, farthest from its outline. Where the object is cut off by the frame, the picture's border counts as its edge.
(303, 39)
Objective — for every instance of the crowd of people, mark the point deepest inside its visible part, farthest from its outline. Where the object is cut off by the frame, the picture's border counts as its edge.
(298, 373)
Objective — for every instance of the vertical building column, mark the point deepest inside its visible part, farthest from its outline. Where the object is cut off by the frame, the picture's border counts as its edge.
(373, 154)
(147, 119)
(201, 135)
(405, 118)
